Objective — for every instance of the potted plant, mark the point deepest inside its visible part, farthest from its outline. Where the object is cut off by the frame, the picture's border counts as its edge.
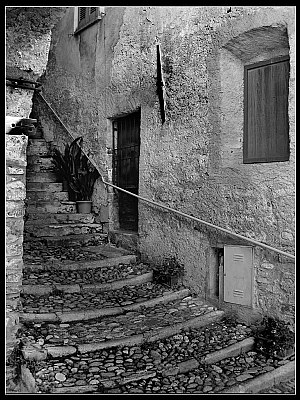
(83, 184)
(65, 165)
(169, 272)
(274, 338)
(79, 172)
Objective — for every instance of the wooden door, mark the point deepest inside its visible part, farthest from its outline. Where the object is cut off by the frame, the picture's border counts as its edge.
(126, 142)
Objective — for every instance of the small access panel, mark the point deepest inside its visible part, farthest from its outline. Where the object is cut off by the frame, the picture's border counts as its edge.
(238, 267)
(126, 153)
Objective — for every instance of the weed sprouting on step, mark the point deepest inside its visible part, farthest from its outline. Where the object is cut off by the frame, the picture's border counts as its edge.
(169, 272)
(274, 337)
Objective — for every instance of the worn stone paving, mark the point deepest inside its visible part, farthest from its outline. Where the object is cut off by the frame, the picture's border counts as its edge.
(105, 371)
(144, 368)
(118, 326)
(65, 302)
(36, 252)
(88, 275)
(93, 368)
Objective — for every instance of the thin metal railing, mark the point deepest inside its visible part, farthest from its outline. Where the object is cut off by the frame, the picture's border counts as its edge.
(219, 228)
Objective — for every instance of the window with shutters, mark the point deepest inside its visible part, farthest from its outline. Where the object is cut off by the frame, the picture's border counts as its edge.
(266, 125)
(87, 16)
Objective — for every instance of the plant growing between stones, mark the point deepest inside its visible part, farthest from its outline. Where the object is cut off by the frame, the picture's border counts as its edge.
(169, 272)
(274, 338)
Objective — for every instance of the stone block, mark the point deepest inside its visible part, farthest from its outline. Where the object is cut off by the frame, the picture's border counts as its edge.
(16, 146)
(15, 209)
(14, 276)
(15, 226)
(15, 190)
(13, 263)
(188, 365)
(14, 245)
(32, 352)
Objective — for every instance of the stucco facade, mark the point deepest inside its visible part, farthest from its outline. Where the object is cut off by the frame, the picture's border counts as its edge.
(193, 162)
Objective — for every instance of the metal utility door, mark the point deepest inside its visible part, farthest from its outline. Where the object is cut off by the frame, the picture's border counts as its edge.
(126, 153)
(238, 265)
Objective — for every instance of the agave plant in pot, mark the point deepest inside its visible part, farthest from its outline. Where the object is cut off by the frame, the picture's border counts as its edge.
(80, 173)
(83, 184)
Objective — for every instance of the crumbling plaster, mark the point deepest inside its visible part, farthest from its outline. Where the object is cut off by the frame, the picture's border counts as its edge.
(192, 162)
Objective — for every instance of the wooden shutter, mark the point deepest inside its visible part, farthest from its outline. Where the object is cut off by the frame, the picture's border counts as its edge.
(87, 16)
(266, 129)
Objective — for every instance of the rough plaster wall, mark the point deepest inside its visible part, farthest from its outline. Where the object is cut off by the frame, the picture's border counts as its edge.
(183, 163)
(28, 35)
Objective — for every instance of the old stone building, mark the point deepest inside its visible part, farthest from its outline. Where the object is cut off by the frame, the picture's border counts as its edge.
(203, 139)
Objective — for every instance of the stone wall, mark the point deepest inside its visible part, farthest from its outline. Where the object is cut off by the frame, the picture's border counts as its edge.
(28, 37)
(15, 196)
(192, 162)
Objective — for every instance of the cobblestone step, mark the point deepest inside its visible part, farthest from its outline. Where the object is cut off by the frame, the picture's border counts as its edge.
(50, 218)
(86, 306)
(44, 206)
(44, 186)
(45, 176)
(47, 289)
(36, 196)
(71, 240)
(146, 367)
(78, 262)
(37, 147)
(39, 164)
(63, 230)
(133, 327)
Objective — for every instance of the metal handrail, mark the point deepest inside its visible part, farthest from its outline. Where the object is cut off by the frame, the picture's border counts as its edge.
(255, 242)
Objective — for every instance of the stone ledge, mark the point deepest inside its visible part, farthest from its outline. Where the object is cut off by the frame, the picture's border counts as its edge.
(230, 351)
(264, 381)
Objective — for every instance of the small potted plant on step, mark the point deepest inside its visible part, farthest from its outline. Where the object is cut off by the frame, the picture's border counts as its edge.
(274, 338)
(83, 181)
(169, 272)
(79, 172)
(64, 165)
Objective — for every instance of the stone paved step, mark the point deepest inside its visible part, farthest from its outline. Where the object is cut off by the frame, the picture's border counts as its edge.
(43, 177)
(85, 275)
(162, 366)
(38, 256)
(58, 207)
(50, 218)
(71, 240)
(39, 164)
(84, 306)
(44, 186)
(135, 327)
(37, 147)
(64, 230)
(95, 287)
(36, 196)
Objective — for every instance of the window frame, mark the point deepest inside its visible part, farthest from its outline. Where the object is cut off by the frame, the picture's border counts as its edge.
(267, 158)
(89, 19)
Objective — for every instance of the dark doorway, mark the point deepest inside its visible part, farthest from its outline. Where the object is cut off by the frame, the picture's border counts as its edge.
(126, 153)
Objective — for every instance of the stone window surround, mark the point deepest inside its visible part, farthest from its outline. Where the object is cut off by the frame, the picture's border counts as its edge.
(233, 58)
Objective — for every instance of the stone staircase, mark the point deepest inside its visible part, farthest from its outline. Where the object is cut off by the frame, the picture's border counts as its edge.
(51, 217)
(95, 321)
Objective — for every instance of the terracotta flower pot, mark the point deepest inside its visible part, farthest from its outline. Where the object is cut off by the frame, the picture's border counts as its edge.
(84, 206)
